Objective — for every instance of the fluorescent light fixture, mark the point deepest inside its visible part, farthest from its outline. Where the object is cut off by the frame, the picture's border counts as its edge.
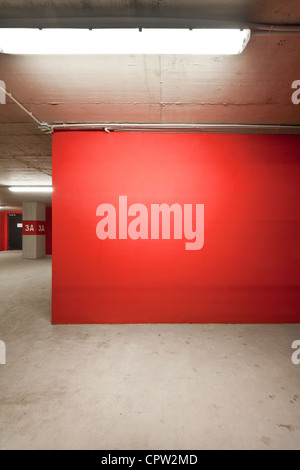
(31, 189)
(124, 41)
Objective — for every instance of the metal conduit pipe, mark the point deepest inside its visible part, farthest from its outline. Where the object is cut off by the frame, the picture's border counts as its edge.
(158, 127)
(142, 22)
(175, 127)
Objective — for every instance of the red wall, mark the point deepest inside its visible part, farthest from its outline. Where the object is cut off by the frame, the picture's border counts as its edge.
(48, 230)
(1, 231)
(248, 270)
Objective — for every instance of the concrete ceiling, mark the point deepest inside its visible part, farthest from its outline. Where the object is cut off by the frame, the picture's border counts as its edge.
(140, 12)
(252, 88)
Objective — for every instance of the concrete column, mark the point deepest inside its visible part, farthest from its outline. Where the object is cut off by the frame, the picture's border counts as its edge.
(34, 238)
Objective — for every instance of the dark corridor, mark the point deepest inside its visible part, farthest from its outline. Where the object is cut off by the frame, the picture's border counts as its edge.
(15, 231)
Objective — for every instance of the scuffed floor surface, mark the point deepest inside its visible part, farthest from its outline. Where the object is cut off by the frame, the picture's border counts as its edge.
(138, 386)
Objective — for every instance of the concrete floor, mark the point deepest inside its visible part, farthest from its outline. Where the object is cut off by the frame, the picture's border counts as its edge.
(138, 386)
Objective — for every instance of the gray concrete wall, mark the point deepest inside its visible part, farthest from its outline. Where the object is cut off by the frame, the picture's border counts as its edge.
(34, 211)
(34, 246)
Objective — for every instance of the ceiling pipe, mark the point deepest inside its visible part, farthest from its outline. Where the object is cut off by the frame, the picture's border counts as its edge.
(176, 127)
(142, 22)
(10, 95)
(158, 127)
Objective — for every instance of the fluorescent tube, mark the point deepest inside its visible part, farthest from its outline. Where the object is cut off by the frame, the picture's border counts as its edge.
(123, 41)
(31, 189)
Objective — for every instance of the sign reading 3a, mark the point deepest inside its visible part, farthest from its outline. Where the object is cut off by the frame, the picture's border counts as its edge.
(33, 227)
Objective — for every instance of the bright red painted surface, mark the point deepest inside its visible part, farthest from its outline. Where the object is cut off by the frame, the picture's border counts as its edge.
(2, 230)
(34, 227)
(248, 270)
(48, 230)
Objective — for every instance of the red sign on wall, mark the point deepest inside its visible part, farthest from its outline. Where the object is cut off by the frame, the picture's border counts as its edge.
(33, 227)
(172, 228)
